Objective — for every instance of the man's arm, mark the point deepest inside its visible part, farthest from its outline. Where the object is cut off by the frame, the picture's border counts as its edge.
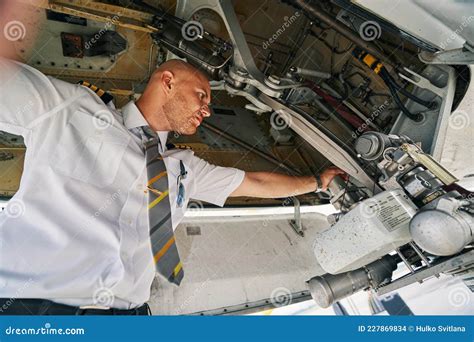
(276, 185)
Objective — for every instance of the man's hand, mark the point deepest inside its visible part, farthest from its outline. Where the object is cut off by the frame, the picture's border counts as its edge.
(328, 175)
(277, 185)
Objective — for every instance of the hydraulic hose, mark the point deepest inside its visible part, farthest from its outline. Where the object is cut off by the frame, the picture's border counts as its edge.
(385, 74)
(375, 65)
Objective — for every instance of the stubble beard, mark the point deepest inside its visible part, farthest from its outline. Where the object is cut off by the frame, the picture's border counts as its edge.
(179, 122)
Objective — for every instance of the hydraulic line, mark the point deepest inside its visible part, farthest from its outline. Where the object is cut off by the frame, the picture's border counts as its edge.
(339, 107)
(375, 65)
(385, 74)
(393, 91)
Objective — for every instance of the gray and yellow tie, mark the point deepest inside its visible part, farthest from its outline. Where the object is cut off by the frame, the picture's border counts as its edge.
(163, 244)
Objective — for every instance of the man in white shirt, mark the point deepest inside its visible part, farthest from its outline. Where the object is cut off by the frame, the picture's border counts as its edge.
(75, 238)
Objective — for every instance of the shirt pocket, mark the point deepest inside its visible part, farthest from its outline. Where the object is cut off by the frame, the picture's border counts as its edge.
(90, 150)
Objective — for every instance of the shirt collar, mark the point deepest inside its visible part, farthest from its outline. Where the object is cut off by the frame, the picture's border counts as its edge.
(133, 118)
(163, 135)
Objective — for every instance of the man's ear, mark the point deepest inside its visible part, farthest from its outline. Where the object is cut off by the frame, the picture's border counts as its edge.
(167, 81)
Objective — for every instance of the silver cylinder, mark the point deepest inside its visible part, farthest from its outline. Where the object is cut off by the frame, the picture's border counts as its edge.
(371, 145)
(312, 73)
(441, 233)
(330, 288)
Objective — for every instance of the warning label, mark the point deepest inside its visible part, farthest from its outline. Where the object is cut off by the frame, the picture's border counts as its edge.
(392, 211)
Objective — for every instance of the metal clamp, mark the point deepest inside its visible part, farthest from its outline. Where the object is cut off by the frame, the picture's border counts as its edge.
(296, 222)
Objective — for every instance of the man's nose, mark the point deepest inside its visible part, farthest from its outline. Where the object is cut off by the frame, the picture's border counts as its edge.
(205, 111)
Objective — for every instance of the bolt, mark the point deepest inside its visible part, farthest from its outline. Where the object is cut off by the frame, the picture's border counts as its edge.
(241, 72)
(274, 79)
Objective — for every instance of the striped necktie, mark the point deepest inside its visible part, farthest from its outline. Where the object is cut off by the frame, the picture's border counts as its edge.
(163, 244)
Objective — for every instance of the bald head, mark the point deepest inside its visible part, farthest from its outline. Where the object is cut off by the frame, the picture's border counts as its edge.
(180, 69)
(176, 98)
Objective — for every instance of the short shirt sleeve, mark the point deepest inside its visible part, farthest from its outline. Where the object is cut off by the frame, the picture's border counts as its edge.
(213, 183)
(27, 95)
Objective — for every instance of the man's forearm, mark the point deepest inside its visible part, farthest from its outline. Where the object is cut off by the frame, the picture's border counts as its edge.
(274, 185)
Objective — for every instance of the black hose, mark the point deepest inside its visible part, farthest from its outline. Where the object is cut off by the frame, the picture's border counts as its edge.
(415, 117)
(403, 91)
(375, 65)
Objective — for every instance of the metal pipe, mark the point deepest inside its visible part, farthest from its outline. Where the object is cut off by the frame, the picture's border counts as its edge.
(339, 27)
(405, 261)
(330, 288)
(420, 254)
(239, 142)
(309, 72)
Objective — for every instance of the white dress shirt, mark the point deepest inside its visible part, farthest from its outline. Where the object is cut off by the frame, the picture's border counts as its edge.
(77, 231)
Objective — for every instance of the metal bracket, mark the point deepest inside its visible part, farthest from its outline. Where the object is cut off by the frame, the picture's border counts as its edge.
(459, 263)
(461, 56)
(428, 162)
(255, 306)
(431, 132)
(296, 223)
(422, 82)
